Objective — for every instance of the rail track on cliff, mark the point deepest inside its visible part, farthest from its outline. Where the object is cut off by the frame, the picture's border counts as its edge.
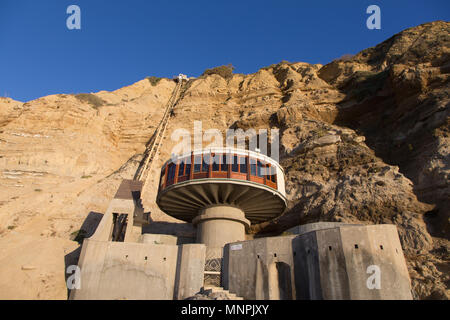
(155, 142)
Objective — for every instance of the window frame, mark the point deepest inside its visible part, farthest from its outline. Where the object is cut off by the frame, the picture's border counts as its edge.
(259, 166)
(182, 166)
(187, 169)
(198, 165)
(213, 162)
(243, 165)
(253, 167)
(224, 162)
(235, 164)
(171, 172)
(205, 166)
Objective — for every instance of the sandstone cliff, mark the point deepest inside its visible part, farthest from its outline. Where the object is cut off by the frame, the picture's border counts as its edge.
(364, 139)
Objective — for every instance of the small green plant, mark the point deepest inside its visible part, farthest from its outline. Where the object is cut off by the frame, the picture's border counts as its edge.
(74, 234)
(11, 227)
(38, 190)
(86, 177)
(93, 100)
(225, 72)
(78, 236)
(320, 132)
(153, 80)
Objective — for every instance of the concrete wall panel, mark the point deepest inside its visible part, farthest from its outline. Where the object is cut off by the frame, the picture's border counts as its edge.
(307, 270)
(325, 263)
(333, 275)
(260, 269)
(114, 270)
(190, 270)
(359, 255)
(382, 250)
(305, 228)
(159, 239)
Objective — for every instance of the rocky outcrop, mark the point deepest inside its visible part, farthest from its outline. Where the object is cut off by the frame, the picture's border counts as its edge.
(397, 96)
(364, 139)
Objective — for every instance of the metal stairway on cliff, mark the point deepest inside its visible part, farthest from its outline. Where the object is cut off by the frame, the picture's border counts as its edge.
(155, 142)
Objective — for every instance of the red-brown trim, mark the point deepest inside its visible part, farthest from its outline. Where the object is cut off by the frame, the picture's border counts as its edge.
(264, 180)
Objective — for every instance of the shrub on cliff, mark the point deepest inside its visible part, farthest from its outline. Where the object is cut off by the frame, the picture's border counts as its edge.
(90, 98)
(225, 72)
(153, 80)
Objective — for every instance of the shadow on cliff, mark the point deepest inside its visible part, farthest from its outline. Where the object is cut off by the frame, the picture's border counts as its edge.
(378, 116)
(87, 229)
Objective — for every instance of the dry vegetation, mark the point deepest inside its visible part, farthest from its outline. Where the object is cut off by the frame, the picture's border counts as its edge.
(225, 72)
(92, 99)
(153, 80)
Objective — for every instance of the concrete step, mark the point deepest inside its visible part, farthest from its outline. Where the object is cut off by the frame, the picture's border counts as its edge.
(208, 290)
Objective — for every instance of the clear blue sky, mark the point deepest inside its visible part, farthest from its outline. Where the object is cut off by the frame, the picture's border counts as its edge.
(121, 42)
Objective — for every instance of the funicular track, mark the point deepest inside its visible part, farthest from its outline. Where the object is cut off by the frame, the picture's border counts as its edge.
(155, 142)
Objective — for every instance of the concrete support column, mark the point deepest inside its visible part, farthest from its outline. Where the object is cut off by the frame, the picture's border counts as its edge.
(190, 270)
(219, 225)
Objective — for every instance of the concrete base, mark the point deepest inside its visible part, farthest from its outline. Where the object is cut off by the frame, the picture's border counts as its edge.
(260, 269)
(219, 225)
(139, 271)
(126, 271)
(346, 262)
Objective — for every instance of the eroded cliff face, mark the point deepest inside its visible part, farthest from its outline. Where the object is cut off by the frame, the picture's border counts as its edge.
(363, 139)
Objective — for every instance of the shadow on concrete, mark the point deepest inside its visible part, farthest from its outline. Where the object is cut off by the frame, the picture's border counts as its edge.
(284, 280)
(87, 229)
(181, 230)
(177, 274)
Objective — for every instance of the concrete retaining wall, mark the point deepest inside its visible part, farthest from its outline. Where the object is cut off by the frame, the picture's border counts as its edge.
(327, 263)
(260, 269)
(338, 262)
(305, 228)
(159, 239)
(137, 271)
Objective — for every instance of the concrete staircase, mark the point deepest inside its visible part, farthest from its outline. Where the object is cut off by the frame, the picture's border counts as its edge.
(219, 291)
